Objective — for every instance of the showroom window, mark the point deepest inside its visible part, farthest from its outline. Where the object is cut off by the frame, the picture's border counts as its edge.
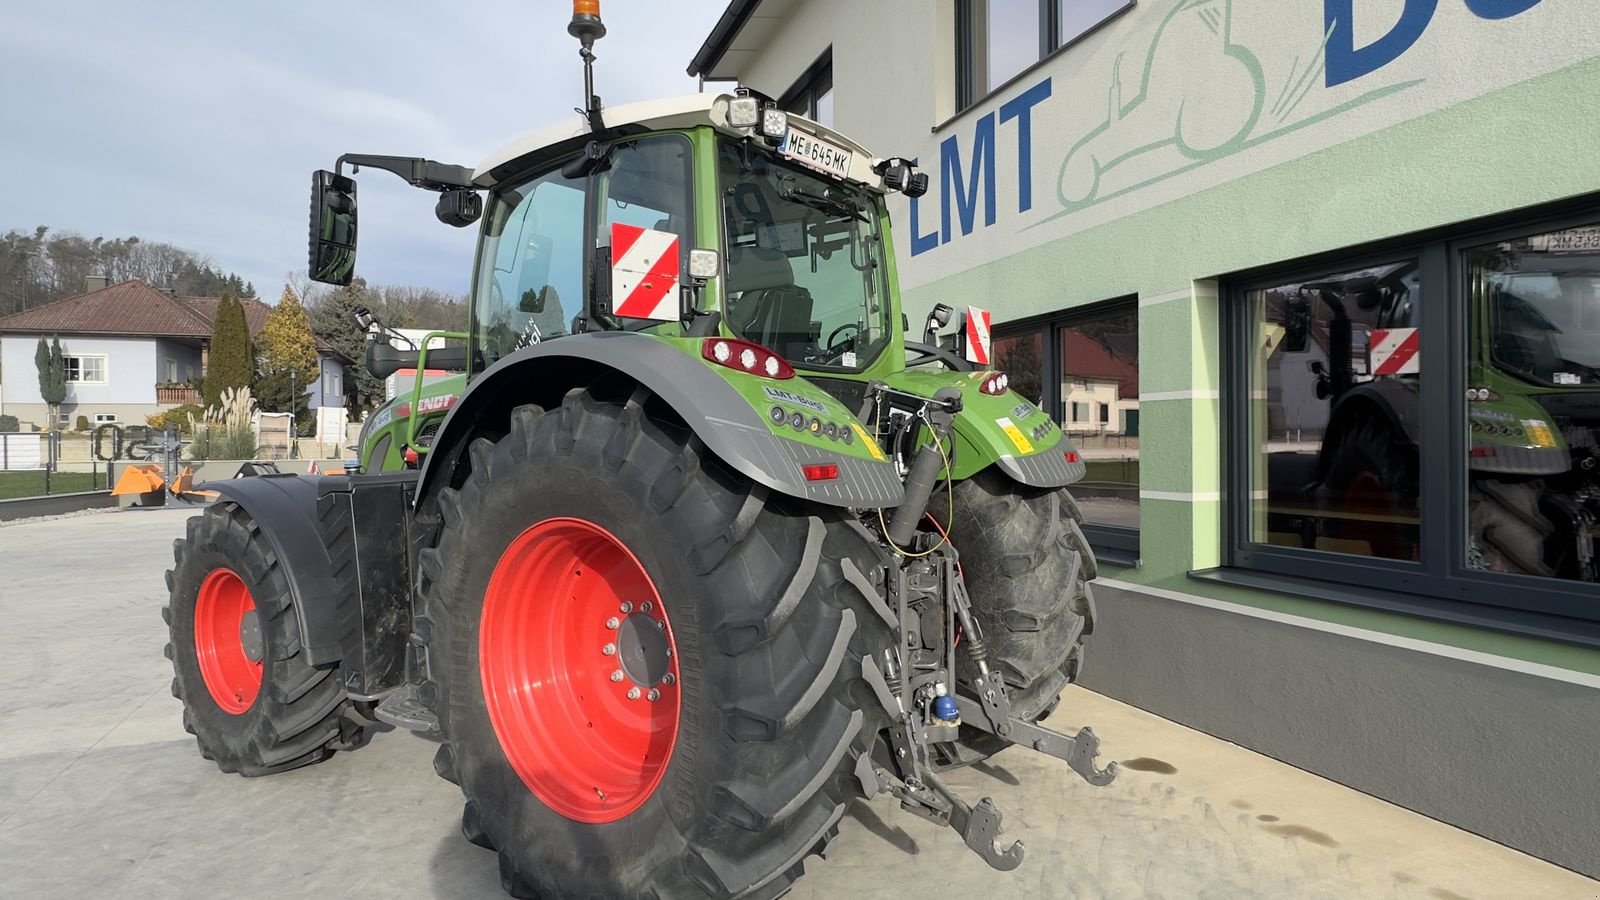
(997, 40)
(1083, 367)
(812, 95)
(1417, 426)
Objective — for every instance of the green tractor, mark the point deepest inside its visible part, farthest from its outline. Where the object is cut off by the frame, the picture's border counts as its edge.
(704, 548)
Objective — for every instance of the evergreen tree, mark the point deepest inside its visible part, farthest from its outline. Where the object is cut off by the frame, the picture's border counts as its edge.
(52, 365)
(287, 365)
(332, 320)
(231, 363)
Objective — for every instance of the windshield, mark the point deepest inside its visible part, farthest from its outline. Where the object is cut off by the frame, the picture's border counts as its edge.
(1544, 305)
(805, 272)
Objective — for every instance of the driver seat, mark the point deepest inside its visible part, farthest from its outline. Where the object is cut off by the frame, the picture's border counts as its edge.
(770, 310)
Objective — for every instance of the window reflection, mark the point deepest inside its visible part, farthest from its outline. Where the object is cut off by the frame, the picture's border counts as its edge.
(1099, 409)
(1335, 409)
(1533, 404)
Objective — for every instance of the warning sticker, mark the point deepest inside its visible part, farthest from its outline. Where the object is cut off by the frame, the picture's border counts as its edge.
(866, 439)
(1015, 434)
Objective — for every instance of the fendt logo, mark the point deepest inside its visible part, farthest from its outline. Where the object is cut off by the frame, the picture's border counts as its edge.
(1197, 93)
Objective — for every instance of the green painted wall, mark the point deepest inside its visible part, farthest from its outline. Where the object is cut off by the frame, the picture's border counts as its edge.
(1519, 146)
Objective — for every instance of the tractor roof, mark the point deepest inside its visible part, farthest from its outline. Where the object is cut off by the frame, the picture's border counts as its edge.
(657, 115)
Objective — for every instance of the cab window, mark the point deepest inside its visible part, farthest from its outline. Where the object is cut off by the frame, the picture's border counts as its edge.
(644, 213)
(530, 278)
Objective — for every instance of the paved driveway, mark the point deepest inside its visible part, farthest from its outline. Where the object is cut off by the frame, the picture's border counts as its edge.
(102, 794)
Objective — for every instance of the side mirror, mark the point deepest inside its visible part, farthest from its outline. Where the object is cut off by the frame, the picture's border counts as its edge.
(1296, 324)
(333, 228)
(939, 318)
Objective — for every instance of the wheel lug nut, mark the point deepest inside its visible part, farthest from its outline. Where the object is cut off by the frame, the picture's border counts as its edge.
(654, 694)
(627, 607)
(645, 606)
(661, 624)
(633, 693)
(669, 679)
(612, 623)
(609, 649)
(616, 674)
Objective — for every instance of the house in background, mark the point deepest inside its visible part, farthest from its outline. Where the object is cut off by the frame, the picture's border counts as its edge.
(1099, 387)
(131, 350)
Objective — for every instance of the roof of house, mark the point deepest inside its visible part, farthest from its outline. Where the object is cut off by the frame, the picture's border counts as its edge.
(1086, 358)
(129, 308)
(135, 309)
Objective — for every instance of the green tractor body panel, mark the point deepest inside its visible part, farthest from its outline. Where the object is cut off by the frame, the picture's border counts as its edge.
(412, 416)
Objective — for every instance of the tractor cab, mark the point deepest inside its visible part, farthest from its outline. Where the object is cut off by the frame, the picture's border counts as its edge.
(700, 216)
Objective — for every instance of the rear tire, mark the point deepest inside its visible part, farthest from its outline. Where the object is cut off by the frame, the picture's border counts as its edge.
(252, 702)
(1027, 567)
(1373, 479)
(768, 625)
(1508, 527)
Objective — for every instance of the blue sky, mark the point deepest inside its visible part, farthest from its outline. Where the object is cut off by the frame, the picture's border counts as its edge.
(199, 123)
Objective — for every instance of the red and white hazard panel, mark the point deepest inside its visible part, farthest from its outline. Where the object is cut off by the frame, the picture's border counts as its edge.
(978, 321)
(1394, 351)
(644, 273)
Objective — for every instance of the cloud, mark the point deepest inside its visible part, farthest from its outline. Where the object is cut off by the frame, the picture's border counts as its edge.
(200, 123)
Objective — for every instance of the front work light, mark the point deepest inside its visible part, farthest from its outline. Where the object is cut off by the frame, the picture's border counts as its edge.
(774, 122)
(744, 112)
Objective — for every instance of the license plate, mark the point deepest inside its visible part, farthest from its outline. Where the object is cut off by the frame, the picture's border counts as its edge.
(816, 153)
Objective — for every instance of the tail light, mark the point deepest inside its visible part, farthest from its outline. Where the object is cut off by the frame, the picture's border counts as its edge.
(822, 472)
(995, 384)
(746, 357)
(1073, 457)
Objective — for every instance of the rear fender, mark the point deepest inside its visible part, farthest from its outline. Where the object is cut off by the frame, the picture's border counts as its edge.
(722, 418)
(1390, 401)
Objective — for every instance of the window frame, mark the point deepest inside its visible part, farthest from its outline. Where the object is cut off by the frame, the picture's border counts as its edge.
(1113, 544)
(105, 368)
(1439, 585)
(972, 86)
(806, 88)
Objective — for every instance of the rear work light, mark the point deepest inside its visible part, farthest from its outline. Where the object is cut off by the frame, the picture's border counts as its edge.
(746, 357)
(822, 472)
(995, 384)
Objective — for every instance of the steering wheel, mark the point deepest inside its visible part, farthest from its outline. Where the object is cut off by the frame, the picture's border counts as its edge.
(848, 326)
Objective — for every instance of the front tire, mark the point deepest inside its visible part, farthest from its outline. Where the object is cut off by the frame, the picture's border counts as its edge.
(250, 699)
(741, 767)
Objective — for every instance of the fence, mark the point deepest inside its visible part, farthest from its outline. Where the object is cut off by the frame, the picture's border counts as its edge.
(33, 465)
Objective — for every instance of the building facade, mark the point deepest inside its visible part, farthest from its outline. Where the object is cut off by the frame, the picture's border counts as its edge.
(1317, 288)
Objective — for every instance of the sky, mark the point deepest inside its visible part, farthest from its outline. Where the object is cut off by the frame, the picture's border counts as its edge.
(199, 123)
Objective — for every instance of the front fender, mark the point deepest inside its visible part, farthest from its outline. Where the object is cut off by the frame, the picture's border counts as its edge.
(731, 426)
(299, 518)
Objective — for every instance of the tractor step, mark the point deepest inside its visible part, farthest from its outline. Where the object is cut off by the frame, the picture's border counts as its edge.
(405, 709)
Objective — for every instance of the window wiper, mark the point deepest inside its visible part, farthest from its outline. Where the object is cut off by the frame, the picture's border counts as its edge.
(825, 202)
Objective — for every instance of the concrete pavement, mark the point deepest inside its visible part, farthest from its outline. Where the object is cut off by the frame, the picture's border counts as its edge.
(102, 793)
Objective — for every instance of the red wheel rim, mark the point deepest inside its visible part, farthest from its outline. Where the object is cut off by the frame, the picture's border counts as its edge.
(227, 640)
(580, 671)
